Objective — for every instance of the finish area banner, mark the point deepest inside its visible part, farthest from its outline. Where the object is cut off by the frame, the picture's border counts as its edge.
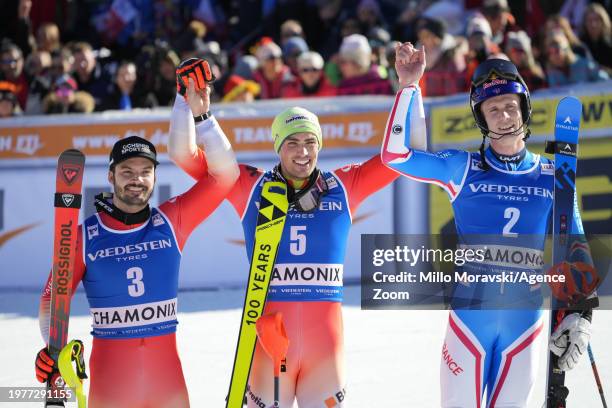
(344, 125)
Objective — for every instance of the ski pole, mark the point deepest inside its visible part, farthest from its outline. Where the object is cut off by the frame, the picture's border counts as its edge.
(73, 352)
(596, 374)
(274, 341)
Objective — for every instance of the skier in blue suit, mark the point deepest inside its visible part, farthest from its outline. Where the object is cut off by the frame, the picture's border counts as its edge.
(502, 198)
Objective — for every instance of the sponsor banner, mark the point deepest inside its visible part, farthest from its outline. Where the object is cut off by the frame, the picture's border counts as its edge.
(506, 256)
(42, 138)
(303, 293)
(511, 190)
(307, 274)
(119, 252)
(135, 315)
(454, 123)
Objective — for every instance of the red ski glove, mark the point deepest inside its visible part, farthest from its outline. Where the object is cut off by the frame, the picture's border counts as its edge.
(44, 365)
(195, 68)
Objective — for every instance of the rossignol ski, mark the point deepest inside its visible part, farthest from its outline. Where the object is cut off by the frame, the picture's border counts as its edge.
(69, 180)
(565, 148)
(270, 223)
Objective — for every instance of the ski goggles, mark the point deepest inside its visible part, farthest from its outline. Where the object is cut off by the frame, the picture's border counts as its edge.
(308, 198)
(497, 86)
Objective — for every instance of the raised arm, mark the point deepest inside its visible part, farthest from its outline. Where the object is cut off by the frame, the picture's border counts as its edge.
(405, 137)
(215, 168)
(217, 157)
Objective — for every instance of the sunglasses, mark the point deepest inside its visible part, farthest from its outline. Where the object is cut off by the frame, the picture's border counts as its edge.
(7, 96)
(311, 69)
(556, 48)
(64, 92)
(10, 61)
(291, 34)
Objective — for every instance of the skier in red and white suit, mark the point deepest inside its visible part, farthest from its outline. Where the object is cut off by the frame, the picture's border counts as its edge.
(129, 260)
(306, 284)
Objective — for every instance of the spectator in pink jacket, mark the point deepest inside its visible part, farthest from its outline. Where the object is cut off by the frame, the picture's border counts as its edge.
(359, 75)
(312, 79)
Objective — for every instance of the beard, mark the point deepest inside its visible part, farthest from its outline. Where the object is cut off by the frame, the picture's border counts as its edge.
(129, 198)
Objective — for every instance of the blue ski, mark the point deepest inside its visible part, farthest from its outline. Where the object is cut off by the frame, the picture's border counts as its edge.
(565, 149)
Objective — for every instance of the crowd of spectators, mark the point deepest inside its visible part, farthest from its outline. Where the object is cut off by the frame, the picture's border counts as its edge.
(60, 56)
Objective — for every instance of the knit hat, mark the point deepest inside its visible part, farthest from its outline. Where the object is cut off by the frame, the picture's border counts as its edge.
(295, 120)
(236, 85)
(310, 59)
(66, 81)
(356, 48)
(494, 7)
(378, 37)
(519, 40)
(245, 65)
(268, 50)
(8, 91)
(294, 46)
(479, 25)
(434, 26)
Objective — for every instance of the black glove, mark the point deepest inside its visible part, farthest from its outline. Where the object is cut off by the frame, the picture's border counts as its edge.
(195, 68)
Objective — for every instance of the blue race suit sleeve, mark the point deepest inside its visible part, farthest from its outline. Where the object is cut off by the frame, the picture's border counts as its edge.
(404, 145)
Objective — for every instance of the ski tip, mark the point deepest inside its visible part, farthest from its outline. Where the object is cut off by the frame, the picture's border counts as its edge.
(72, 155)
(72, 152)
(570, 101)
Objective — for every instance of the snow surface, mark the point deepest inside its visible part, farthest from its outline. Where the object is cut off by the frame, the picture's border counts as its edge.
(392, 356)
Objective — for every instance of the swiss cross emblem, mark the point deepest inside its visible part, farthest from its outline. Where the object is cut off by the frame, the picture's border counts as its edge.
(69, 172)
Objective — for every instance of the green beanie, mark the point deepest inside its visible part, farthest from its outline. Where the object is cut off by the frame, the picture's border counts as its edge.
(294, 120)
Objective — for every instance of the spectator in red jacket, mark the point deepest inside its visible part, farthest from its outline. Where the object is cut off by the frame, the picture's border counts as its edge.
(272, 74)
(500, 18)
(480, 45)
(518, 49)
(11, 70)
(359, 75)
(312, 79)
(8, 100)
(446, 59)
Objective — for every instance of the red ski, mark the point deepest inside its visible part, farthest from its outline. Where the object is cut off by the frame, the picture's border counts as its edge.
(69, 180)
